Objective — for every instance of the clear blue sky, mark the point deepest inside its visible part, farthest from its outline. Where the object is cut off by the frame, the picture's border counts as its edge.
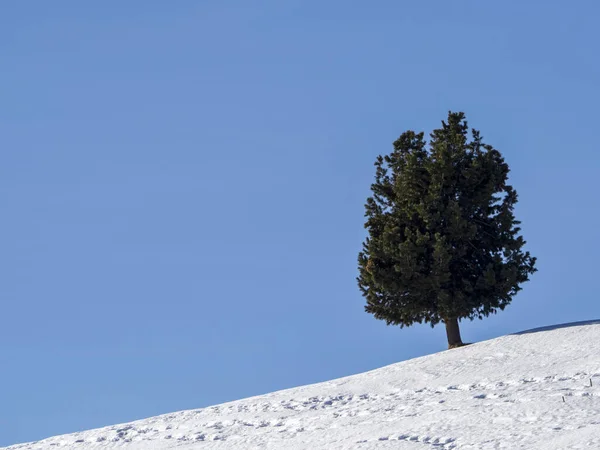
(182, 188)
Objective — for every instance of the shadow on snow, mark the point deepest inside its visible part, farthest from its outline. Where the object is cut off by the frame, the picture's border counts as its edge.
(562, 325)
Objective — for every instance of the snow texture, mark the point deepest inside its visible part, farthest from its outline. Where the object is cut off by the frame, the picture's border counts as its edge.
(534, 390)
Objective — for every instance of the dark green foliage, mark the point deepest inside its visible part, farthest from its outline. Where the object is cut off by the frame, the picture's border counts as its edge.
(443, 241)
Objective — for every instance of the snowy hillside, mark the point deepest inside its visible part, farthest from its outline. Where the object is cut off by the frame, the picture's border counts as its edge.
(535, 390)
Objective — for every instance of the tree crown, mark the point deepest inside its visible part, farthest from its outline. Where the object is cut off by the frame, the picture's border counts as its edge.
(443, 241)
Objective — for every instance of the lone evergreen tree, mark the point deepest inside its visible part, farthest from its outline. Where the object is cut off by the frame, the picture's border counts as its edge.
(443, 241)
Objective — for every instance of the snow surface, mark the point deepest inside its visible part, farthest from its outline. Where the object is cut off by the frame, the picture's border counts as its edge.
(533, 390)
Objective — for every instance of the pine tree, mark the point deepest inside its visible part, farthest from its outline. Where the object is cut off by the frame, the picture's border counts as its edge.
(443, 243)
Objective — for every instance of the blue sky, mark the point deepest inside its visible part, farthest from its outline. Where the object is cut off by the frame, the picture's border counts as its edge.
(182, 188)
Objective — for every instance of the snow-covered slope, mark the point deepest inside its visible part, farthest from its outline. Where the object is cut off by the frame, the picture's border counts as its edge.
(534, 390)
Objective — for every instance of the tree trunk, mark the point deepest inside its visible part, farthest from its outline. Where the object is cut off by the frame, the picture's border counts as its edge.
(453, 333)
